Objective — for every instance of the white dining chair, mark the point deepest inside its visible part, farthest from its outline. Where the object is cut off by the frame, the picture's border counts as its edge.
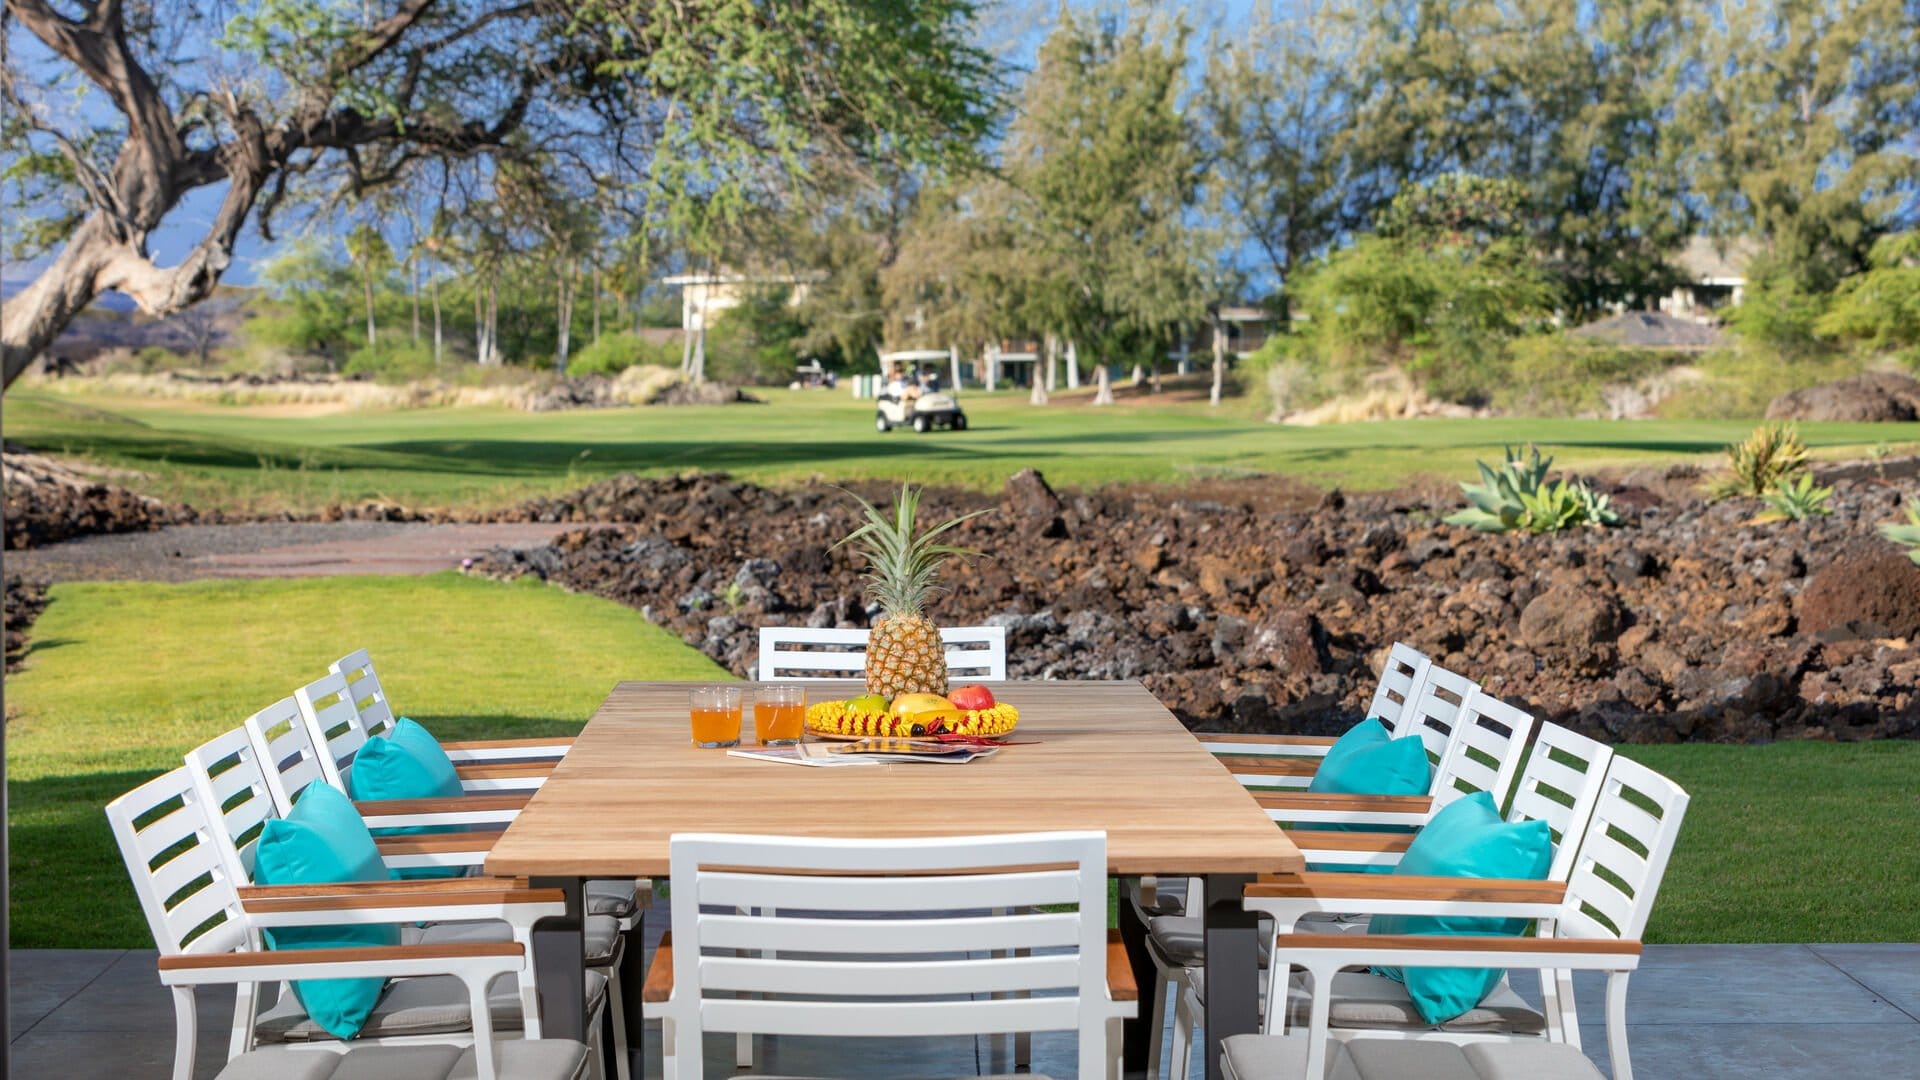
(802, 653)
(861, 938)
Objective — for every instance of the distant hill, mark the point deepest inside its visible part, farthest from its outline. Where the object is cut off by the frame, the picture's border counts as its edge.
(114, 322)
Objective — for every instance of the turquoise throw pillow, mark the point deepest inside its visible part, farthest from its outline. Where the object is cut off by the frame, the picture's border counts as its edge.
(1368, 760)
(324, 842)
(406, 763)
(1467, 838)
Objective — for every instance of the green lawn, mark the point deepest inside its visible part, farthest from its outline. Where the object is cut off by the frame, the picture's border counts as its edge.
(259, 458)
(1794, 842)
(124, 678)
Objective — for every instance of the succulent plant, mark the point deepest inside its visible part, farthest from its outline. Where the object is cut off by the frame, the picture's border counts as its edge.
(1518, 495)
(1906, 535)
(1795, 500)
(1757, 465)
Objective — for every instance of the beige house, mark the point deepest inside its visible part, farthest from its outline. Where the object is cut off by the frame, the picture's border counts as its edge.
(705, 294)
(1713, 277)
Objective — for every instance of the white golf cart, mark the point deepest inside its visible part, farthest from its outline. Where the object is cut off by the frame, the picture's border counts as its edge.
(911, 395)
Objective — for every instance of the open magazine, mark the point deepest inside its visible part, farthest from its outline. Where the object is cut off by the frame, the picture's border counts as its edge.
(877, 751)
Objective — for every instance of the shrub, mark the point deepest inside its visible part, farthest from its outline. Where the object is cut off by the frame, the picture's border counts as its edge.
(1558, 375)
(1906, 535)
(392, 361)
(1518, 495)
(1757, 466)
(1795, 500)
(616, 352)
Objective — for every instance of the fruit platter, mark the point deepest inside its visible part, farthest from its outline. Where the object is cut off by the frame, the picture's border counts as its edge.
(969, 711)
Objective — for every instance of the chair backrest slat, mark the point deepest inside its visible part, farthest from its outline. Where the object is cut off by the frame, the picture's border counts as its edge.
(852, 938)
(336, 723)
(369, 697)
(232, 787)
(792, 653)
(283, 744)
(1434, 715)
(1400, 683)
(1624, 854)
(165, 840)
(1485, 751)
(1560, 783)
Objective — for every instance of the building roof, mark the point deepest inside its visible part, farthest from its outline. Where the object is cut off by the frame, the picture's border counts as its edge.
(1708, 260)
(1652, 330)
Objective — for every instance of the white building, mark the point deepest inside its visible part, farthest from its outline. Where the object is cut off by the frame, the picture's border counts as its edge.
(705, 294)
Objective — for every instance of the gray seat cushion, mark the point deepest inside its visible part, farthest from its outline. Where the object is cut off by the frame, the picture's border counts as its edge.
(618, 898)
(516, 1059)
(602, 934)
(1170, 897)
(427, 1005)
(1182, 939)
(1364, 1000)
(1273, 1057)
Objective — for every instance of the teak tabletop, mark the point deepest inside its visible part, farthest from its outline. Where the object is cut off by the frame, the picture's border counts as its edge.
(1105, 755)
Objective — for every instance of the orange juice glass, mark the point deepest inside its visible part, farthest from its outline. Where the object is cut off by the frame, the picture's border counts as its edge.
(779, 714)
(716, 716)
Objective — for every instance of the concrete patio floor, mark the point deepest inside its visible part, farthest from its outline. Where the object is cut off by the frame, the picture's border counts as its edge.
(1696, 1012)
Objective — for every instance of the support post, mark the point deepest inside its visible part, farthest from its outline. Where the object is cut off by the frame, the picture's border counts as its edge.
(1233, 966)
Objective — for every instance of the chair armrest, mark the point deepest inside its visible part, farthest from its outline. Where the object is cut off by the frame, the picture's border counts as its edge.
(421, 887)
(1120, 984)
(485, 750)
(1330, 840)
(520, 908)
(1283, 745)
(1286, 900)
(480, 957)
(505, 770)
(435, 849)
(1333, 808)
(658, 987)
(461, 810)
(1440, 950)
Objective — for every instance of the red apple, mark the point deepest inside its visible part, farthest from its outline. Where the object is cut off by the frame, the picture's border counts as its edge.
(972, 698)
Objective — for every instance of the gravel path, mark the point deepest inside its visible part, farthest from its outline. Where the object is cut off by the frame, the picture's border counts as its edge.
(276, 549)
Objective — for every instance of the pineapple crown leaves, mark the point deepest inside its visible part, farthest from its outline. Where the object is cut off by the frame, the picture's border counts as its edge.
(903, 569)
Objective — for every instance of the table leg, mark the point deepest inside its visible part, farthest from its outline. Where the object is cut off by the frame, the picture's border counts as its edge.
(559, 964)
(633, 980)
(1134, 1033)
(1233, 966)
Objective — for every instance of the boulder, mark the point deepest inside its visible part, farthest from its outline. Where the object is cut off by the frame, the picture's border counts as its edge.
(1291, 642)
(1862, 589)
(1574, 621)
(1033, 504)
(1880, 396)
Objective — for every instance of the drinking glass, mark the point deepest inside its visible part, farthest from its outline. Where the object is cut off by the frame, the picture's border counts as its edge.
(716, 716)
(779, 713)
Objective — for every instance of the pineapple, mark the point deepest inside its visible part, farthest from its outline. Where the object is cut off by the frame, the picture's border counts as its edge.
(904, 654)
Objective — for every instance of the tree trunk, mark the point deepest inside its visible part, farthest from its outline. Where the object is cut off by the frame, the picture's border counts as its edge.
(1042, 383)
(1103, 394)
(433, 288)
(366, 279)
(699, 372)
(493, 321)
(416, 302)
(1139, 373)
(566, 321)
(596, 301)
(1219, 362)
(480, 324)
(686, 352)
(1073, 365)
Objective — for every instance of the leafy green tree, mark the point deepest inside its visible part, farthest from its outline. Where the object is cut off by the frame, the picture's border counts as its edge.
(708, 103)
(1880, 308)
(1798, 119)
(308, 309)
(373, 257)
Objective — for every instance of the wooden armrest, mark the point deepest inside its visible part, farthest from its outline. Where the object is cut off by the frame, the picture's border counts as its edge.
(1371, 804)
(659, 984)
(1266, 740)
(273, 958)
(1271, 765)
(1448, 943)
(435, 843)
(337, 902)
(508, 744)
(505, 770)
(455, 805)
(421, 887)
(1120, 984)
(1315, 886)
(1336, 840)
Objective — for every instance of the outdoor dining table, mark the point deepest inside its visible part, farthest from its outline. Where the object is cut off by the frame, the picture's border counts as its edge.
(1100, 755)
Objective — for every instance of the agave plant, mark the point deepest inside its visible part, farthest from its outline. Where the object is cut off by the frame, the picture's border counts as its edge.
(1796, 500)
(1757, 465)
(1518, 495)
(1907, 535)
